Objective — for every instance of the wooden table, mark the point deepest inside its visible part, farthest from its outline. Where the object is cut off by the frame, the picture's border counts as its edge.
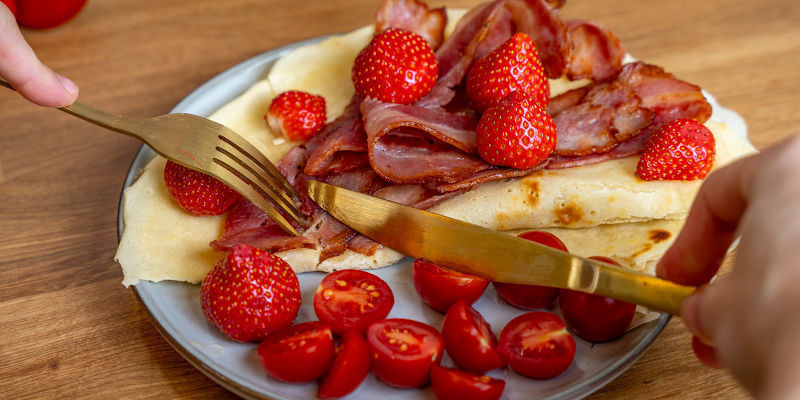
(69, 329)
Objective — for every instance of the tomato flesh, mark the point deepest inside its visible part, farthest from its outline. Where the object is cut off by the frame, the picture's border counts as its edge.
(300, 353)
(403, 351)
(531, 296)
(593, 317)
(441, 287)
(352, 299)
(452, 384)
(349, 368)
(469, 340)
(43, 14)
(537, 345)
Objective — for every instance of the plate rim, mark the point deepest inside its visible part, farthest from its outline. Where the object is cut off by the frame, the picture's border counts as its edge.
(144, 154)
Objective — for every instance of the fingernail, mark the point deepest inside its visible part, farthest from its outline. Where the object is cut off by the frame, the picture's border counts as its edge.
(68, 85)
(690, 314)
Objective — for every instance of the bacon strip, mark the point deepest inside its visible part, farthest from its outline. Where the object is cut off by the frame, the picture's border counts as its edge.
(595, 52)
(414, 16)
(549, 33)
(341, 146)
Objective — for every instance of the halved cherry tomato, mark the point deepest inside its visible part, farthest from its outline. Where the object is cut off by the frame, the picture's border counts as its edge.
(299, 353)
(537, 345)
(441, 287)
(452, 384)
(531, 296)
(469, 340)
(12, 5)
(593, 317)
(352, 299)
(403, 351)
(43, 14)
(350, 367)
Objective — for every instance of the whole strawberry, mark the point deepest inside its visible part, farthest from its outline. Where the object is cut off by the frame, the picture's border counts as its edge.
(196, 192)
(397, 66)
(516, 133)
(296, 115)
(512, 66)
(682, 149)
(250, 294)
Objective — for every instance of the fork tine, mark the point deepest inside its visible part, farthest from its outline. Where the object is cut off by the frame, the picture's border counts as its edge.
(268, 189)
(244, 147)
(245, 186)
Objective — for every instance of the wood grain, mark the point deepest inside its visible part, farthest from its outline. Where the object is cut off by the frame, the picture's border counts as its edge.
(68, 329)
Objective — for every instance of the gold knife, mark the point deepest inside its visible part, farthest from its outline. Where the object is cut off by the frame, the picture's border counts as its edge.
(490, 254)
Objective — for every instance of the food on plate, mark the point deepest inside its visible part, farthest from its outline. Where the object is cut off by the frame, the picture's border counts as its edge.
(250, 294)
(681, 149)
(468, 339)
(531, 296)
(397, 66)
(593, 317)
(513, 66)
(196, 192)
(351, 300)
(537, 345)
(349, 367)
(441, 287)
(296, 115)
(300, 353)
(403, 351)
(452, 384)
(424, 153)
(516, 133)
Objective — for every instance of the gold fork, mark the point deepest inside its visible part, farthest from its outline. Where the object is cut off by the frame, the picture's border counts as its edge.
(208, 147)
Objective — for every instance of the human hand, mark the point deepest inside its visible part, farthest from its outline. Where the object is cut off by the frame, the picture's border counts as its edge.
(748, 320)
(23, 70)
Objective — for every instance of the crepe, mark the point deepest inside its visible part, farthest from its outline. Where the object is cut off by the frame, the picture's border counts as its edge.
(601, 209)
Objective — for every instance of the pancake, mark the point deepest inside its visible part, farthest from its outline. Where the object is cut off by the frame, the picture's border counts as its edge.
(601, 209)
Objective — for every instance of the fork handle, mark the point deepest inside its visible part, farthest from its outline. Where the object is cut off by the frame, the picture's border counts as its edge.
(116, 123)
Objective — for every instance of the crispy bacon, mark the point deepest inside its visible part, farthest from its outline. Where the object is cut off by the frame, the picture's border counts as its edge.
(414, 16)
(548, 31)
(341, 146)
(595, 52)
(583, 129)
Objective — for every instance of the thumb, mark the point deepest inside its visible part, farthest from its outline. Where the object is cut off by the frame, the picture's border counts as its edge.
(23, 70)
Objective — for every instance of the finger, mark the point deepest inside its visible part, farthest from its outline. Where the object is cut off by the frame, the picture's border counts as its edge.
(23, 70)
(710, 227)
(705, 353)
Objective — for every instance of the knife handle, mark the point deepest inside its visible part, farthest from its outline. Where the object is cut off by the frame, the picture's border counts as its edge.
(610, 281)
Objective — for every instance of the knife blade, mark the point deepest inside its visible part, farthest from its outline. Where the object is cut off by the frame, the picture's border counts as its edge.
(490, 254)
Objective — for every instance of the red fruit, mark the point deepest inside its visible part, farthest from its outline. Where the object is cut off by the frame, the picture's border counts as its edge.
(537, 345)
(403, 351)
(531, 296)
(250, 294)
(352, 299)
(296, 115)
(43, 14)
(350, 367)
(512, 66)
(469, 340)
(441, 287)
(300, 353)
(196, 192)
(516, 133)
(593, 317)
(397, 66)
(452, 384)
(682, 149)
(12, 5)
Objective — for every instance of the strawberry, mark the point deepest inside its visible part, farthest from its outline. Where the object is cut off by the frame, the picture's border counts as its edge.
(250, 294)
(514, 65)
(516, 133)
(196, 192)
(682, 149)
(397, 66)
(296, 115)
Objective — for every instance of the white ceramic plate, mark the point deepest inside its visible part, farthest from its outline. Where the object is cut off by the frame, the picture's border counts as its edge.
(175, 307)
